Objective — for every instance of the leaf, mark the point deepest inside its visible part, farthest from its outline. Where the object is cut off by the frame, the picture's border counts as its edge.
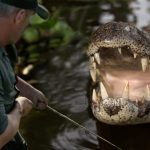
(31, 34)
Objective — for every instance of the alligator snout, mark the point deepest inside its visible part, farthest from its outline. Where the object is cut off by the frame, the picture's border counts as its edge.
(120, 70)
(116, 35)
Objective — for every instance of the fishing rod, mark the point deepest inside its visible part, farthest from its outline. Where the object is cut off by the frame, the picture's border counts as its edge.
(82, 127)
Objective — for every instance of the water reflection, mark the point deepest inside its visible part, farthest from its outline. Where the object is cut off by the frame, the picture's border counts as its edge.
(65, 76)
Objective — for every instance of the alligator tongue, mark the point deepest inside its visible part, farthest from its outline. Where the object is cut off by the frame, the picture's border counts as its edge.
(138, 84)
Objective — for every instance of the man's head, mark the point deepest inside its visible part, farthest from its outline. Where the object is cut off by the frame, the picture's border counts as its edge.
(14, 17)
(28, 5)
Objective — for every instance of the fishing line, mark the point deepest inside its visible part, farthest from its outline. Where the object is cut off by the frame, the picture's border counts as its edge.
(82, 127)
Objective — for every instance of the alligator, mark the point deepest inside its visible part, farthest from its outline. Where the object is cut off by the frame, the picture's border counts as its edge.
(120, 71)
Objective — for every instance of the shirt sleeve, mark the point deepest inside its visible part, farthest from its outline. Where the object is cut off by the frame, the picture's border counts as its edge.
(3, 119)
(3, 115)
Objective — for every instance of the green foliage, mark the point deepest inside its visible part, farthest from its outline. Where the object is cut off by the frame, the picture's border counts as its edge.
(55, 29)
(41, 35)
(35, 19)
(31, 35)
(64, 30)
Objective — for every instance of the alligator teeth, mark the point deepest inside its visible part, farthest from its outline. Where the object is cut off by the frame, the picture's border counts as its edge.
(94, 65)
(93, 74)
(147, 93)
(91, 59)
(135, 55)
(97, 57)
(104, 93)
(94, 96)
(144, 62)
(126, 91)
(120, 50)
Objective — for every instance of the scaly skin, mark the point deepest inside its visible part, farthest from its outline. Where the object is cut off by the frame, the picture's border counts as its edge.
(120, 34)
(121, 108)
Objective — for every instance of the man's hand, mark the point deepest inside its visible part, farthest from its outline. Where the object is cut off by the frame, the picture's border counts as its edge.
(24, 105)
(39, 100)
(37, 97)
(21, 109)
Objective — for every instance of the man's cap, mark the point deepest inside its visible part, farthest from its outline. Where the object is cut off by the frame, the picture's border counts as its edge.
(29, 4)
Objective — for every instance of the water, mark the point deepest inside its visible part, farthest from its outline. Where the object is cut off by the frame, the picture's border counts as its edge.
(65, 83)
(65, 77)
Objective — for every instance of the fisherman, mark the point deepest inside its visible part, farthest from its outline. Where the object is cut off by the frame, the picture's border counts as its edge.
(14, 17)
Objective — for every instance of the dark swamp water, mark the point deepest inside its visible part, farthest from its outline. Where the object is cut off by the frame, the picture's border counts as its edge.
(64, 76)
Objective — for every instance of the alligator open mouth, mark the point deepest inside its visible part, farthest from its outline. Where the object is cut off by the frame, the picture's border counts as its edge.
(119, 67)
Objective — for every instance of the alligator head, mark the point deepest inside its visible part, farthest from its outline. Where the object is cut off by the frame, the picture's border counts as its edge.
(119, 66)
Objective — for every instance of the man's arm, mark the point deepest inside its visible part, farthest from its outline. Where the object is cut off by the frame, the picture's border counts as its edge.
(37, 97)
(22, 108)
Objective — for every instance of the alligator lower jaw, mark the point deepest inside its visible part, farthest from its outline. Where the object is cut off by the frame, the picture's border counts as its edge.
(121, 93)
(121, 111)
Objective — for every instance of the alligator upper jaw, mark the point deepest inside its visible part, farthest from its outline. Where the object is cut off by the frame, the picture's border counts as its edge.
(115, 35)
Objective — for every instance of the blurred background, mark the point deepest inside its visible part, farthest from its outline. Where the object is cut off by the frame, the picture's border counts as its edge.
(52, 58)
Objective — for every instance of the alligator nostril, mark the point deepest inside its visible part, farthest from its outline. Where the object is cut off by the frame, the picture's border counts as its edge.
(127, 28)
